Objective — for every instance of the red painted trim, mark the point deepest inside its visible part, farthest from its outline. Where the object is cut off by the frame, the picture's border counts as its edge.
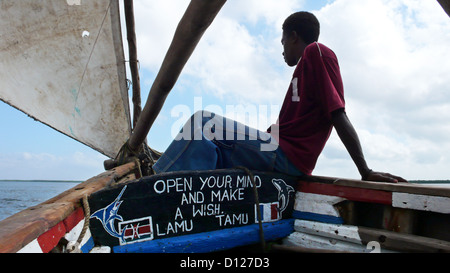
(349, 193)
(72, 220)
(50, 239)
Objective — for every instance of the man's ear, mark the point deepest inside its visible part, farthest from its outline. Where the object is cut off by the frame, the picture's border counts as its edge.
(294, 36)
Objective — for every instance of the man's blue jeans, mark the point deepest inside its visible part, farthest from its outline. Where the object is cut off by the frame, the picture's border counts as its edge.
(208, 141)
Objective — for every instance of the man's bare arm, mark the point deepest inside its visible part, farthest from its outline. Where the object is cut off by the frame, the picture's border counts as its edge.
(350, 139)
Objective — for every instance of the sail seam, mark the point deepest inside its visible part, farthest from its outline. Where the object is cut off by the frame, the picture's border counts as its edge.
(93, 47)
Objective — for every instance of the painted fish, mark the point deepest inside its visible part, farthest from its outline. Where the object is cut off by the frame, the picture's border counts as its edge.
(283, 193)
(108, 215)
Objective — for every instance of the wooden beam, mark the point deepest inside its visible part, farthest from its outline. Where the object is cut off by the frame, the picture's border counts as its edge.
(445, 4)
(391, 187)
(300, 249)
(402, 242)
(132, 52)
(354, 194)
(197, 18)
(362, 236)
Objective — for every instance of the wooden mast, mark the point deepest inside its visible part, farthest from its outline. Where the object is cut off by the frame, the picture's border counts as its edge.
(132, 51)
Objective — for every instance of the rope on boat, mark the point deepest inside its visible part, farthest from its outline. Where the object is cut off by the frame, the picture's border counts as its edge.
(258, 209)
(75, 247)
(87, 215)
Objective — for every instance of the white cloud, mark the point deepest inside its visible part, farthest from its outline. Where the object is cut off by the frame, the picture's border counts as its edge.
(46, 166)
(255, 10)
(394, 62)
(229, 61)
(384, 53)
(156, 22)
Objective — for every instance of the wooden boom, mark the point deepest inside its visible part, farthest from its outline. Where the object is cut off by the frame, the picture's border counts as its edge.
(445, 4)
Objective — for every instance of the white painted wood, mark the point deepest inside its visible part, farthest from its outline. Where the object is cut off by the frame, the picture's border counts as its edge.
(72, 236)
(53, 71)
(101, 249)
(319, 242)
(317, 203)
(340, 232)
(437, 185)
(421, 202)
(86, 237)
(32, 247)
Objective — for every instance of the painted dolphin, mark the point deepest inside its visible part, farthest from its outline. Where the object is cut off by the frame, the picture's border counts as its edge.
(283, 193)
(109, 214)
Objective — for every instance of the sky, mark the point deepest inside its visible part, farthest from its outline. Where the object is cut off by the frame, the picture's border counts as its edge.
(394, 62)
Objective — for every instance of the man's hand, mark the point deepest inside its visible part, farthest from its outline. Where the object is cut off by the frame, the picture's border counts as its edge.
(383, 177)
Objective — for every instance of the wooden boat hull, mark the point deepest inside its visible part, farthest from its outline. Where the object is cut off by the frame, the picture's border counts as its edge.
(359, 216)
(180, 204)
(328, 215)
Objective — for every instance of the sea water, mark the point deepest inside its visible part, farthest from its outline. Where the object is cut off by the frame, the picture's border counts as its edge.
(16, 196)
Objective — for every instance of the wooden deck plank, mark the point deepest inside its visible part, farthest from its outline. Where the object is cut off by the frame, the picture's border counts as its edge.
(403, 242)
(350, 193)
(391, 187)
(363, 236)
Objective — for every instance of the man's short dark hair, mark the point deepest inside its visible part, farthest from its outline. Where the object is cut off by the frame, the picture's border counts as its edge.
(305, 24)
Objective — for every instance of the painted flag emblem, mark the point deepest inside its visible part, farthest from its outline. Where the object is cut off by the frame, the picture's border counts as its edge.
(269, 212)
(136, 230)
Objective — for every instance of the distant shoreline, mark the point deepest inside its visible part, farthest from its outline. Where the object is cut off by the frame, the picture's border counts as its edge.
(430, 181)
(50, 181)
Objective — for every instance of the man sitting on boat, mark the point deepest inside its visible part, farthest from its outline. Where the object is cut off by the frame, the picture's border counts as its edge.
(313, 105)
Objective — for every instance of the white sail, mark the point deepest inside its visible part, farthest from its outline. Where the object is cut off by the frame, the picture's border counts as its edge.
(62, 63)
